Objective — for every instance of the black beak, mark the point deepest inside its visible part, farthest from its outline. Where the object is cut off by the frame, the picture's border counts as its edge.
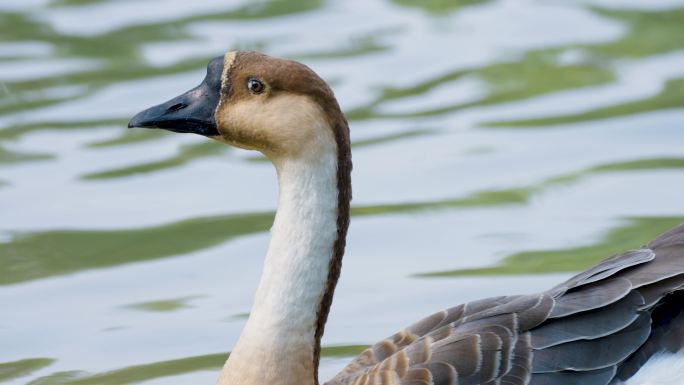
(192, 111)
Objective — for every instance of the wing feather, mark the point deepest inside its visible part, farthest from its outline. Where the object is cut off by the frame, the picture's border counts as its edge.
(521, 362)
(596, 328)
(595, 354)
(591, 297)
(592, 377)
(589, 324)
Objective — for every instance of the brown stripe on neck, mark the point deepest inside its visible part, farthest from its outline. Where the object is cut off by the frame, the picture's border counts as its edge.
(340, 128)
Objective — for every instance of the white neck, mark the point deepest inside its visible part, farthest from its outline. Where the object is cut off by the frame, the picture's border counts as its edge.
(277, 344)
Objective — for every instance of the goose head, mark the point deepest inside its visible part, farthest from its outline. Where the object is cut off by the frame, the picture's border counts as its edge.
(284, 110)
(253, 101)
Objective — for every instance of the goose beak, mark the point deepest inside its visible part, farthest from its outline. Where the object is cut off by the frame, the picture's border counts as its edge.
(191, 112)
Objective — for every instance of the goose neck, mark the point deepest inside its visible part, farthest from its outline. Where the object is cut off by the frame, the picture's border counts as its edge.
(281, 340)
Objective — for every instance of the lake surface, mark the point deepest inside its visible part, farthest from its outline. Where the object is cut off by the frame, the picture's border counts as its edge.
(499, 146)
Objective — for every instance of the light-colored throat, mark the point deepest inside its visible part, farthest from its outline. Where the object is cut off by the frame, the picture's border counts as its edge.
(278, 343)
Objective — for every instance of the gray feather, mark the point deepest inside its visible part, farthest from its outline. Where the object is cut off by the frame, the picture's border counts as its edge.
(593, 377)
(593, 354)
(654, 293)
(588, 325)
(521, 362)
(591, 297)
(605, 269)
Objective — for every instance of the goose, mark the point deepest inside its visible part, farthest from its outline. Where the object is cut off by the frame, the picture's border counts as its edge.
(619, 322)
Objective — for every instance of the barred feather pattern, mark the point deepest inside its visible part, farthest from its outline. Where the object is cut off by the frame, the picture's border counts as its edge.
(597, 328)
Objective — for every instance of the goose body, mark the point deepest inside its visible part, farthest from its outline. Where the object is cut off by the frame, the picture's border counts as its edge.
(619, 322)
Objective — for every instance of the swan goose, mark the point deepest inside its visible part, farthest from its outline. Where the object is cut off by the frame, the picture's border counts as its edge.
(619, 318)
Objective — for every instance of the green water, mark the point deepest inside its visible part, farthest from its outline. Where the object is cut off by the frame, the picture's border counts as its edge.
(499, 146)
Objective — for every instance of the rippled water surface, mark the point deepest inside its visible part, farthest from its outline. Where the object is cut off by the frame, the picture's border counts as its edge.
(499, 146)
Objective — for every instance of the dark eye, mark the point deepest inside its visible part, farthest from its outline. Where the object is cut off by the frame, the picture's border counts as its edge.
(256, 86)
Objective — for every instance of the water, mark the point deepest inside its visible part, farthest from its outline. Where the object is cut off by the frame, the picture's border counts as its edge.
(499, 146)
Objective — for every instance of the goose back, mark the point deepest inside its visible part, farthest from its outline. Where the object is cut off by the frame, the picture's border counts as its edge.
(597, 328)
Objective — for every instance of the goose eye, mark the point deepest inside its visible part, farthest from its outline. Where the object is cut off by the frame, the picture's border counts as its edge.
(256, 86)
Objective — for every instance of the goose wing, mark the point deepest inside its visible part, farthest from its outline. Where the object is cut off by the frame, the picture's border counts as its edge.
(596, 328)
